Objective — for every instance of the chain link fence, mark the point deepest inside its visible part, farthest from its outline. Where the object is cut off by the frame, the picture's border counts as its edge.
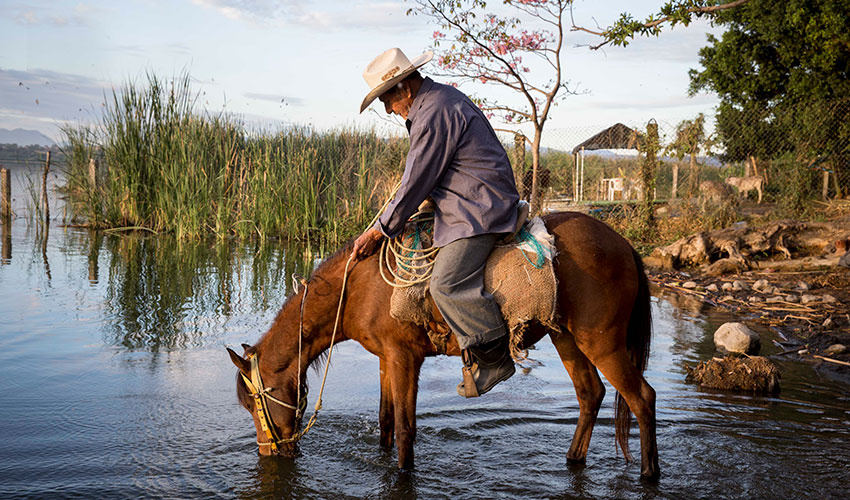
(798, 155)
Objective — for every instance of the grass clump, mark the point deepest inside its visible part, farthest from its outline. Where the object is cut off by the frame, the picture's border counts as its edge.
(167, 167)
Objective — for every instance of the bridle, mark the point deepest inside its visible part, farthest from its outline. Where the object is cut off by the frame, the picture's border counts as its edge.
(261, 395)
(262, 398)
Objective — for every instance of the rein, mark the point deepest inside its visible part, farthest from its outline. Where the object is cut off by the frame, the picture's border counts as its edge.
(261, 394)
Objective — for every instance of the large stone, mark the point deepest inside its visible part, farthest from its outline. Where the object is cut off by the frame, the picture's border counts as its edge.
(736, 337)
(690, 285)
(726, 287)
(712, 288)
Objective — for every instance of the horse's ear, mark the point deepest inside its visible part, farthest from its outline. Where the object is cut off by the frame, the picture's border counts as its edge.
(243, 364)
(297, 282)
(245, 348)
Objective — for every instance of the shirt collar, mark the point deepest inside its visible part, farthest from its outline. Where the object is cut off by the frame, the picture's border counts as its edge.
(427, 83)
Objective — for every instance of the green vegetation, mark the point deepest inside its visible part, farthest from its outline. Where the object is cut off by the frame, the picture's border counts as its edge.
(782, 73)
(167, 167)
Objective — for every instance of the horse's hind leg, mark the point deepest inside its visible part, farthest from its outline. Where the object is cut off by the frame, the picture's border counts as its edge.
(386, 412)
(618, 368)
(589, 391)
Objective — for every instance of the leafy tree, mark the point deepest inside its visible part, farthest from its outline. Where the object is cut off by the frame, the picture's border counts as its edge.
(782, 72)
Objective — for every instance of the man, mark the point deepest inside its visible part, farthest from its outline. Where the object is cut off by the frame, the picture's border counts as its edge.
(457, 160)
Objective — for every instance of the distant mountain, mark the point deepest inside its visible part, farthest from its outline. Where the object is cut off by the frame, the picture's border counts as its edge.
(23, 137)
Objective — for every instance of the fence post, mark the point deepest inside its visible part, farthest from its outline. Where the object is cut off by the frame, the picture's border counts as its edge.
(519, 161)
(675, 188)
(5, 194)
(44, 188)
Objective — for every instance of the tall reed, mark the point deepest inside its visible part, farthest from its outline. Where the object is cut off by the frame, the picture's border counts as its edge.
(172, 168)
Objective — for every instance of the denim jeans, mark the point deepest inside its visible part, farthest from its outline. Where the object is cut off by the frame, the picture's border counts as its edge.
(457, 287)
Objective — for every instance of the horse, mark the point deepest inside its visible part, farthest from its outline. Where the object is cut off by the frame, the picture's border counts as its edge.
(603, 314)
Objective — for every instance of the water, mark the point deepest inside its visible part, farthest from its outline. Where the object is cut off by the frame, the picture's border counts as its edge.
(114, 383)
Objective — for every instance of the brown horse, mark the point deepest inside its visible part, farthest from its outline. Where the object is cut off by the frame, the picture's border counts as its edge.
(604, 312)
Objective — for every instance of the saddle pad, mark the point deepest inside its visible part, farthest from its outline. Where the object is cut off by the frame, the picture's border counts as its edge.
(523, 291)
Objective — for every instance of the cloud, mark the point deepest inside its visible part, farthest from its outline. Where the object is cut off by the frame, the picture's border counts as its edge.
(256, 10)
(361, 16)
(51, 13)
(295, 101)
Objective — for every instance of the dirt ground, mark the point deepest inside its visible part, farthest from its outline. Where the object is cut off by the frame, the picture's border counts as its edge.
(785, 276)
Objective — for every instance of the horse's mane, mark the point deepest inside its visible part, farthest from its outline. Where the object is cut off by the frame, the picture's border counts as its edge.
(324, 267)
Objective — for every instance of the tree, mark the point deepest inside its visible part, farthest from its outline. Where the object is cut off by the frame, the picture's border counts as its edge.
(496, 49)
(673, 12)
(690, 140)
(782, 73)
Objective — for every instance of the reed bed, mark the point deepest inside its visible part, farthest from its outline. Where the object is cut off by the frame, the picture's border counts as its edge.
(169, 168)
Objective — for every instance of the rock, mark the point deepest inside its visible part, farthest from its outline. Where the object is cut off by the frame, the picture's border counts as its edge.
(775, 299)
(803, 286)
(835, 350)
(690, 285)
(712, 288)
(844, 261)
(808, 298)
(753, 374)
(725, 266)
(762, 286)
(727, 297)
(828, 299)
(792, 299)
(755, 298)
(739, 286)
(726, 287)
(774, 290)
(736, 337)
(827, 322)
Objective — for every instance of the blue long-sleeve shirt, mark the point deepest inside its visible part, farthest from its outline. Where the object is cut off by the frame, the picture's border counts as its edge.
(456, 158)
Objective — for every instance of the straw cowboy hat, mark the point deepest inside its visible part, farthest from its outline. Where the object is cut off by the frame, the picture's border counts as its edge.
(388, 69)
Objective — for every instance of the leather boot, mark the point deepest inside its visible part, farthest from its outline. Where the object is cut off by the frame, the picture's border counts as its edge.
(484, 366)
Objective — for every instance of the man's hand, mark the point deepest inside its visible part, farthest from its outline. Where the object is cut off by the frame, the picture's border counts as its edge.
(366, 243)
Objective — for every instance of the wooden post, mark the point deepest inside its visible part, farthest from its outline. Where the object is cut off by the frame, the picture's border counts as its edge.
(825, 192)
(5, 194)
(44, 188)
(675, 188)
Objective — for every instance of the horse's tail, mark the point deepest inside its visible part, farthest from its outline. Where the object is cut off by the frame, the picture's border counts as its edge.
(638, 338)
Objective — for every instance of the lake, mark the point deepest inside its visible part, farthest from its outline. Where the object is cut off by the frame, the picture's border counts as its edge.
(115, 383)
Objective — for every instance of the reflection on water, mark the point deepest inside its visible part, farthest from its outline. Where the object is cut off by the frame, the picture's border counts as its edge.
(161, 294)
(115, 384)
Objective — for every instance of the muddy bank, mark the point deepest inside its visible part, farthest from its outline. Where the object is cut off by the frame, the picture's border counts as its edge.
(785, 275)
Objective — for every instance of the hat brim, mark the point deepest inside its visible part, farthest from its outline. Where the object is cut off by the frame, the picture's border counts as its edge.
(385, 86)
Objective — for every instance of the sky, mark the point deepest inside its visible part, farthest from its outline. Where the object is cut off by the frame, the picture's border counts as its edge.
(300, 62)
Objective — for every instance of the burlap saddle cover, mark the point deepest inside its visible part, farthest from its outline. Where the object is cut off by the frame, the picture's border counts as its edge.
(519, 275)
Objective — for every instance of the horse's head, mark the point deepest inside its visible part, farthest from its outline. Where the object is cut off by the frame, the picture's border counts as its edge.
(272, 397)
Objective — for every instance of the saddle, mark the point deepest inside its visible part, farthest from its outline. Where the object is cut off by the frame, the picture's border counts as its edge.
(519, 274)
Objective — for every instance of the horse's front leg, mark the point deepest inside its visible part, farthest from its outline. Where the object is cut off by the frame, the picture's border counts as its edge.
(403, 367)
(589, 390)
(386, 413)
